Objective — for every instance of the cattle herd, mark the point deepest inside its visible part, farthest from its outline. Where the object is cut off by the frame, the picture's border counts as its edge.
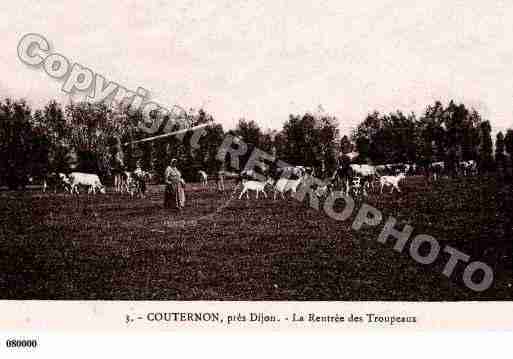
(355, 179)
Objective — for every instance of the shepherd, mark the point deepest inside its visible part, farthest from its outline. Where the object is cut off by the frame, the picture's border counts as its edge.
(174, 196)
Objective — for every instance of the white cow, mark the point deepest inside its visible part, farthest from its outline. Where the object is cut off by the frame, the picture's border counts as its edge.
(85, 179)
(257, 186)
(391, 181)
(284, 185)
(203, 177)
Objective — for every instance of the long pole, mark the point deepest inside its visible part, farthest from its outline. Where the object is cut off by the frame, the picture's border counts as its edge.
(167, 134)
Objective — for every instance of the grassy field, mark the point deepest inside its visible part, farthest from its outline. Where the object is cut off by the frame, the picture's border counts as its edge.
(57, 246)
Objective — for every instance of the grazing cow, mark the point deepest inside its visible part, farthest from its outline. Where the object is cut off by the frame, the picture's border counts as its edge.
(257, 186)
(391, 181)
(288, 179)
(203, 178)
(87, 180)
(284, 185)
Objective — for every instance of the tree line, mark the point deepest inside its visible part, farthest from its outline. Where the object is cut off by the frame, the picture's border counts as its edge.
(448, 134)
(93, 137)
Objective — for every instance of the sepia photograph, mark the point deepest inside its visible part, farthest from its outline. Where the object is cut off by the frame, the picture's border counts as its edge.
(256, 151)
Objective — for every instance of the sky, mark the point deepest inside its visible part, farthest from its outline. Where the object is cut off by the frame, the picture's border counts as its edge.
(263, 60)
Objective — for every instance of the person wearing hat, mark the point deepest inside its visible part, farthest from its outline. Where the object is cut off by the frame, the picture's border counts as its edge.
(174, 196)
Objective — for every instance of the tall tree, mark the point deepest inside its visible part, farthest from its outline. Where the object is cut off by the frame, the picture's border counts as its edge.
(508, 142)
(387, 138)
(249, 131)
(499, 147)
(309, 140)
(508, 145)
(500, 157)
(486, 150)
(53, 118)
(41, 146)
(328, 135)
(15, 142)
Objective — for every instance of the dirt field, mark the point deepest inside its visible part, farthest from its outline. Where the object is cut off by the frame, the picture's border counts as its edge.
(57, 246)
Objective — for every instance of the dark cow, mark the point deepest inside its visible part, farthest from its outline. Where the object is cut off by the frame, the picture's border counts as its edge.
(349, 176)
(56, 181)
